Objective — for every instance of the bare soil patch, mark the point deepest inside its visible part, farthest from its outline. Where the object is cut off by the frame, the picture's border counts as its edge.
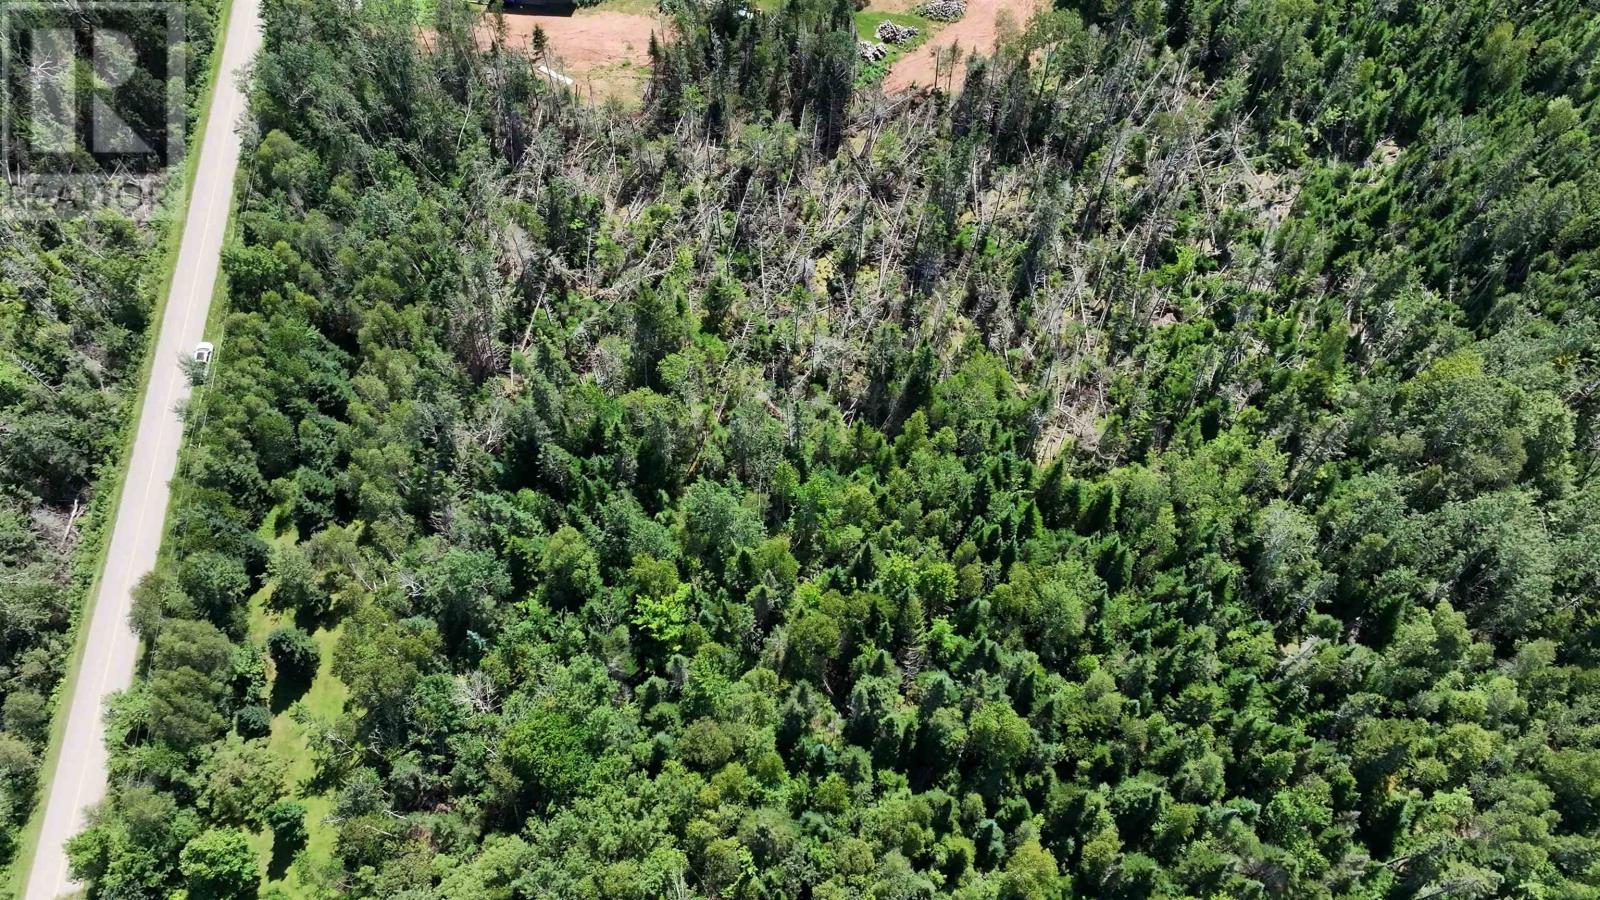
(604, 52)
(934, 65)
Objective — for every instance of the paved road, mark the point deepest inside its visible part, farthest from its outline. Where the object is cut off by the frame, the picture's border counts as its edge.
(108, 660)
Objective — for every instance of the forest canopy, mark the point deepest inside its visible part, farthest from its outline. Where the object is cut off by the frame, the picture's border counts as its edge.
(1162, 467)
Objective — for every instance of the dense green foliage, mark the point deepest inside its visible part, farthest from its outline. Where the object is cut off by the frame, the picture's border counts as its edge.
(1164, 469)
(75, 298)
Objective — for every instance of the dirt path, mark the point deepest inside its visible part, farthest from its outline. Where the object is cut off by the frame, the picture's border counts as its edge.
(975, 31)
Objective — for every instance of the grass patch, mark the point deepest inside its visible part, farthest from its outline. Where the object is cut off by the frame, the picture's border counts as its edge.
(103, 509)
(631, 7)
(867, 22)
(287, 740)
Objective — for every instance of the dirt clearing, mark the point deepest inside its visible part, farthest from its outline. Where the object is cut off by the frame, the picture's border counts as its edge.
(975, 31)
(605, 52)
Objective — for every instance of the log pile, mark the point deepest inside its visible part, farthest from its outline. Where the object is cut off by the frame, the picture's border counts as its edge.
(895, 33)
(944, 10)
